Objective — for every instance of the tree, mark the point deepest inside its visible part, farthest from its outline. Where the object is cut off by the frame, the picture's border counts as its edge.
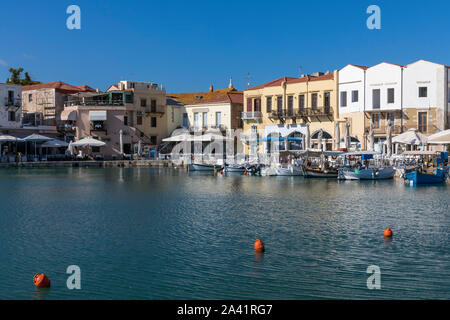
(16, 79)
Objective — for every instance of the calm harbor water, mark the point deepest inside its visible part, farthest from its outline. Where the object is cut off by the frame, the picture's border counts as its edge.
(142, 233)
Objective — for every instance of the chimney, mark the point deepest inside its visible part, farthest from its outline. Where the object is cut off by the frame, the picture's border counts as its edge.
(211, 88)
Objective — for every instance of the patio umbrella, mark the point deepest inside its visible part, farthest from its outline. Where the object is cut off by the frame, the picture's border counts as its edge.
(55, 144)
(411, 137)
(88, 142)
(121, 141)
(36, 138)
(442, 137)
(371, 138)
(319, 138)
(139, 147)
(389, 138)
(307, 138)
(347, 135)
(70, 149)
(7, 138)
(179, 138)
(337, 136)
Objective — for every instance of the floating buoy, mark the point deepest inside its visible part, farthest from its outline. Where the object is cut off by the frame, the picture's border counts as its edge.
(259, 245)
(41, 280)
(221, 171)
(245, 172)
(388, 232)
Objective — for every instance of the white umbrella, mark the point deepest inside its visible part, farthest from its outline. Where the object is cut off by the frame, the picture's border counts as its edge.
(36, 138)
(307, 138)
(319, 138)
(8, 138)
(55, 144)
(88, 142)
(371, 137)
(442, 137)
(70, 149)
(140, 147)
(337, 136)
(179, 138)
(347, 135)
(121, 141)
(411, 137)
(389, 138)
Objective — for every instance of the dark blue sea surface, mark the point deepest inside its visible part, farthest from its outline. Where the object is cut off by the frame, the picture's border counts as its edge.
(142, 233)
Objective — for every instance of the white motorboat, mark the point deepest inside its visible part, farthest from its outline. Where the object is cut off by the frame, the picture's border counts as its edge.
(290, 170)
(366, 173)
(232, 168)
(200, 167)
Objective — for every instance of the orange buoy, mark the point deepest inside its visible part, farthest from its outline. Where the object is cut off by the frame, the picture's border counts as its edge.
(41, 280)
(388, 232)
(259, 245)
(245, 172)
(221, 171)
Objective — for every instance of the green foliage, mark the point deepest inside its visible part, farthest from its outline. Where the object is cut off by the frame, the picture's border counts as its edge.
(16, 77)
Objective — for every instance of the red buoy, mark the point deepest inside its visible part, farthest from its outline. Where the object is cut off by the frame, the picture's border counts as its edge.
(388, 232)
(41, 280)
(259, 245)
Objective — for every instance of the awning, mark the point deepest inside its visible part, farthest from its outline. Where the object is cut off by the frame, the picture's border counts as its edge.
(68, 115)
(97, 115)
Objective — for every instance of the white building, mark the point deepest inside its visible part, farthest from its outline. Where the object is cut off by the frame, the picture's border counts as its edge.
(10, 106)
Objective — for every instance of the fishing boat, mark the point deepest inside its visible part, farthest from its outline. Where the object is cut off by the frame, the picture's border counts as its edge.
(231, 168)
(279, 170)
(366, 173)
(201, 167)
(416, 177)
(319, 173)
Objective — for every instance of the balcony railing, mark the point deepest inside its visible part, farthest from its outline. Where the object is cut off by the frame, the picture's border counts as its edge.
(396, 129)
(158, 110)
(15, 102)
(251, 115)
(318, 111)
(93, 103)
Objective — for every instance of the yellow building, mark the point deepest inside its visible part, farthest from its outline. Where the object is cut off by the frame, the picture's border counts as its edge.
(289, 107)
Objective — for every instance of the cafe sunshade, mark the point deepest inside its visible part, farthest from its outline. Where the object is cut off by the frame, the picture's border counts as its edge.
(88, 142)
(37, 138)
(8, 138)
(411, 137)
(442, 137)
(55, 144)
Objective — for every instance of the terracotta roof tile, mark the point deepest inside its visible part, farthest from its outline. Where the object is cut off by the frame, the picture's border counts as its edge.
(290, 80)
(199, 97)
(58, 85)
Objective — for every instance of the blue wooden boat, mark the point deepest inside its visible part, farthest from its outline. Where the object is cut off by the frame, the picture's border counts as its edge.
(415, 177)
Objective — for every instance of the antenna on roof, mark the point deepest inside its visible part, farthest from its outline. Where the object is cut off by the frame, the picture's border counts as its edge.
(300, 68)
(248, 80)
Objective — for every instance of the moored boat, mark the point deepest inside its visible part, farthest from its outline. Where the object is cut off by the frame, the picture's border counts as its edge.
(416, 177)
(230, 168)
(201, 167)
(319, 173)
(366, 174)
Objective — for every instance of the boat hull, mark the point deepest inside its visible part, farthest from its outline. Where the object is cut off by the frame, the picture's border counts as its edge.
(367, 174)
(416, 177)
(200, 167)
(234, 169)
(311, 173)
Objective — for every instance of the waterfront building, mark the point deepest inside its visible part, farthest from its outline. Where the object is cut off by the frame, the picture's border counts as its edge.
(213, 110)
(103, 116)
(43, 103)
(145, 104)
(281, 111)
(10, 106)
(415, 96)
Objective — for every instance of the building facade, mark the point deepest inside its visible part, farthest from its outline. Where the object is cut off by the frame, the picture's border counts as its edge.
(283, 110)
(10, 106)
(415, 96)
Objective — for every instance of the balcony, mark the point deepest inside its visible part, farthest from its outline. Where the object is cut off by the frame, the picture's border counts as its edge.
(251, 115)
(93, 103)
(396, 129)
(13, 102)
(154, 111)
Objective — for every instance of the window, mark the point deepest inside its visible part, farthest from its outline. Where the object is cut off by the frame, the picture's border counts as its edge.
(218, 118)
(390, 97)
(153, 122)
(422, 123)
(343, 99)
(143, 102)
(11, 116)
(249, 104)
(185, 120)
(153, 105)
(314, 100)
(376, 120)
(196, 119)
(355, 96)
(269, 104)
(30, 97)
(129, 98)
(153, 139)
(376, 98)
(327, 100)
(301, 103)
(280, 104)
(139, 120)
(125, 120)
(392, 117)
(205, 119)
(291, 105)
(423, 92)
(257, 105)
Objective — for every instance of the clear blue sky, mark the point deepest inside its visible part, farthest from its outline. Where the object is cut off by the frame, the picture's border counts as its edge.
(188, 45)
